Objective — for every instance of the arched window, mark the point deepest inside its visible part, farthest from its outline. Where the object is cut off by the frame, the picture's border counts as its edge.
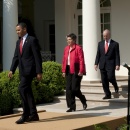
(105, 3)
(79, 5)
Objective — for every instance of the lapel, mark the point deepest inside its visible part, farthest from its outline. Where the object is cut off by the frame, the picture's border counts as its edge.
(74, 46)
(103, 46)
(110, 46)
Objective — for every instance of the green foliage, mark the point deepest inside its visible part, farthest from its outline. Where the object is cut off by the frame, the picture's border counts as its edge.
(10, 85)
(6, 105)
(52, 76)
(44, 91)
(101, 127)
(123, 126)
(105, 127)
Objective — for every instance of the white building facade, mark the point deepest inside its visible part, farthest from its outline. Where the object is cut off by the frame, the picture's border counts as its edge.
(54, 19)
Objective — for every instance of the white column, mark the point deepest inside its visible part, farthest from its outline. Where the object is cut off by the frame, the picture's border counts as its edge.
(91, 36)
(10, 19)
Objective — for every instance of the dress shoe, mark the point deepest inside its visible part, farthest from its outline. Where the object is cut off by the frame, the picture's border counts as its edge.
(22, 120)
(117, 90)
(85, 106)
(107, 97)
(33, 118)
(71, 110)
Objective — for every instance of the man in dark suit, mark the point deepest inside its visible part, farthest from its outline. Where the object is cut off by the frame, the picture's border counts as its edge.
(27, 56)
(108, 58)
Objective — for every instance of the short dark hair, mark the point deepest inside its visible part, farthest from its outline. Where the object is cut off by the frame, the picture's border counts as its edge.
(22, 24)
(72, 35)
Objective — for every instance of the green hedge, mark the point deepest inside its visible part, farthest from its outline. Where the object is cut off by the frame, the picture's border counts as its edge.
(51, 84)
(6, 104)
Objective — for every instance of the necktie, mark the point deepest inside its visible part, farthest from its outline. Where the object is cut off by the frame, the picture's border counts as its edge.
(106, 47)
(21, 45)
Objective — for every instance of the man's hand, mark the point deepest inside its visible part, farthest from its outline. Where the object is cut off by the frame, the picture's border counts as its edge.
(117, 67)
(39, 77)
(96, 67)
(63, 74)
(10, 74)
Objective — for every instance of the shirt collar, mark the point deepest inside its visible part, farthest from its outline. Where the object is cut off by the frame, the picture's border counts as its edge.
(25, 36)
(108, 41)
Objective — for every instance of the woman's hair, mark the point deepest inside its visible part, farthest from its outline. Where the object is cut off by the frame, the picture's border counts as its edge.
(73, 36)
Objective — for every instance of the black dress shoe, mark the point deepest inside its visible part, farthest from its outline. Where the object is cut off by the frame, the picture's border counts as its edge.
(84, 106)
(21, 120)
(33, 118)
(117, 90)
(107, 97)
(71, 110)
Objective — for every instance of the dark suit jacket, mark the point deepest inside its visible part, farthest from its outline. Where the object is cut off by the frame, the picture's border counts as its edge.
(111, 58)
(30, 61)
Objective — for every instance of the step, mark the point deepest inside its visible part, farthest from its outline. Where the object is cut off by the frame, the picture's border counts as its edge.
(94, 93)
(123, 86)
(120, 83)
(120, 79)
(114, 101)
(100, 93)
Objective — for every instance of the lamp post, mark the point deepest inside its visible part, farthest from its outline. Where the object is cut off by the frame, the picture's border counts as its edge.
(128, 114)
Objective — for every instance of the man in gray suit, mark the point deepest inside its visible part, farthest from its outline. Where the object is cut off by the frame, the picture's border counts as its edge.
(108, 58)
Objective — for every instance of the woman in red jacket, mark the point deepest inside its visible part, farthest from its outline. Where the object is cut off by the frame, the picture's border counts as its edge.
(73, 69)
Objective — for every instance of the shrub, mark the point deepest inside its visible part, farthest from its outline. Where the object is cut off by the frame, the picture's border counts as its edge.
(101, 127)
(10, 85)
(52, 76)
(6, 105)
(44, 91)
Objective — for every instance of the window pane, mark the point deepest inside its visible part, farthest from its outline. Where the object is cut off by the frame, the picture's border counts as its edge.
(79, 6)
(80, 19)
(105, 3)
(52, 29)
(102, 28)
(79, 30)
(101, 18)
(52, 39)
(80, 40)
(106, 26)
(107, 18)
(101, 37)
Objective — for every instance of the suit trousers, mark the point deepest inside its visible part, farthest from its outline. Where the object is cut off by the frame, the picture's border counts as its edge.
(108, 75)
(73, 82)
(25, 90)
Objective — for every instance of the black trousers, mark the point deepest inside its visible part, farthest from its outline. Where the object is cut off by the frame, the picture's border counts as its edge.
(25, 90)
(73, 82)
(108, 75)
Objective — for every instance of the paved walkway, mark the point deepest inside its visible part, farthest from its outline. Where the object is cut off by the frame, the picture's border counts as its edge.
(56, 118)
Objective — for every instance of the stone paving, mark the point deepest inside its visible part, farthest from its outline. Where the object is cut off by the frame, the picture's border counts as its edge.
(56, 118)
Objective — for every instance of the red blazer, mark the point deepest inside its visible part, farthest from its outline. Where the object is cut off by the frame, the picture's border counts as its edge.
(77, 63)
